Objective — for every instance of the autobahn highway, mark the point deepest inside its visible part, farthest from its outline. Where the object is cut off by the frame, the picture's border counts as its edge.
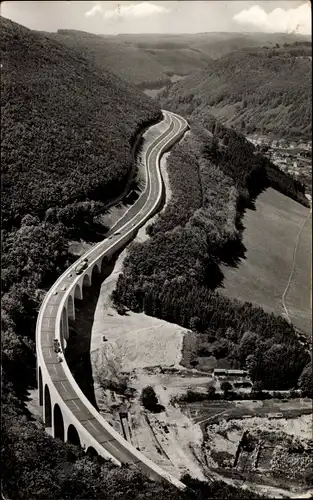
(66, 410)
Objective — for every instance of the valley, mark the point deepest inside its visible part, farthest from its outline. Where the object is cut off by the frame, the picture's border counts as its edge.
(156, 279)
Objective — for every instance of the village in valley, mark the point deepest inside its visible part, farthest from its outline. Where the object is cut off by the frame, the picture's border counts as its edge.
(293, 157)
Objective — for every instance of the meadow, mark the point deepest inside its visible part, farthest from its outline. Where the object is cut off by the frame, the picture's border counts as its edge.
(270, 238)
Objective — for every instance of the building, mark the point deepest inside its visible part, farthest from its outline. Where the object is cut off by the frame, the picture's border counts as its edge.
(218, 372)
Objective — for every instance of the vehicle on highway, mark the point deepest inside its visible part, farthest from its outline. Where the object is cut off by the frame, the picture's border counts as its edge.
(81, 266)
(117, 233)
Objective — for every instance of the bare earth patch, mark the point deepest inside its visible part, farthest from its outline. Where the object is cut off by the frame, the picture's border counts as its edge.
(79, 247)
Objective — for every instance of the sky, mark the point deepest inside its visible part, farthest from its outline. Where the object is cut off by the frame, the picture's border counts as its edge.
(182, 16)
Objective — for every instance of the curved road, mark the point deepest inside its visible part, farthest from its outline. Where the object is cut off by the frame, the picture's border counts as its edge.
(75, 408)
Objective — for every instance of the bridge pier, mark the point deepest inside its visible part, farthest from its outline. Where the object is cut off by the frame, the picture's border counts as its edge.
(64, 324)
(40, 387)
(47, 408)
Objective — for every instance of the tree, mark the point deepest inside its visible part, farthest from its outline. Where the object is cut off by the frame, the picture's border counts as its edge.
(247, 345)
(257, 387)
(148, 398)
(211, 392)
(226, 387)
(220, 348)
(195, 323)
(306, 381)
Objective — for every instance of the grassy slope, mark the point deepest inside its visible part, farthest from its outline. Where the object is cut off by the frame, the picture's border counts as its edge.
(250, 88)
(270, 236)
(67, 128)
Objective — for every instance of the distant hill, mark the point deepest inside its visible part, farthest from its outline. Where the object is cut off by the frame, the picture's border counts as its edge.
(207, 45)
(149, 61)
(255, 90)
(126, 61)
(67, 128)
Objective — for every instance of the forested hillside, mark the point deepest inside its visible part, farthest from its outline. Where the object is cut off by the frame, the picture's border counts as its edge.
(126, 61)
(73, 126)
(265, 90)
(67, 131)
(141, 62)
(215, 174)
(66, 135)
(148, 61)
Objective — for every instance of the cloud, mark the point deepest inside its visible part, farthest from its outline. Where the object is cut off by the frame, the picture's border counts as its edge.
(139, 10)
(297, 20)
(94, 10)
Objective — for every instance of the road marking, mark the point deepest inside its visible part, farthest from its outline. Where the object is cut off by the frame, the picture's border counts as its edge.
(92, 425)
(74, 403)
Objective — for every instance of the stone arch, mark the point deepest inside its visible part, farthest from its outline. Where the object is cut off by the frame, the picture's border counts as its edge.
(95, 273)
(86, 281)
(91, 452)
(78, 292)
(72, 435)
(40, 387)
(47, 408)
(71, 308)
(58, 423)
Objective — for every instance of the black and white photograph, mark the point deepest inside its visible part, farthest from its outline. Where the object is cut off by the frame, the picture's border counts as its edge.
(156, 250)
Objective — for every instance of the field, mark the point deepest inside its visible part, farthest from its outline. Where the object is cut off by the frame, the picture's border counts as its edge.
(270, 237)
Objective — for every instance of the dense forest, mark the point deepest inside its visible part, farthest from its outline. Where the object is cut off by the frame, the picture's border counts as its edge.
(215, 174)
(67, 134)
(253, 89)
(128, 62)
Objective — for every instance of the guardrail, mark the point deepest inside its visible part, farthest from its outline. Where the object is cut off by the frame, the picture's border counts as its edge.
(146, 464)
